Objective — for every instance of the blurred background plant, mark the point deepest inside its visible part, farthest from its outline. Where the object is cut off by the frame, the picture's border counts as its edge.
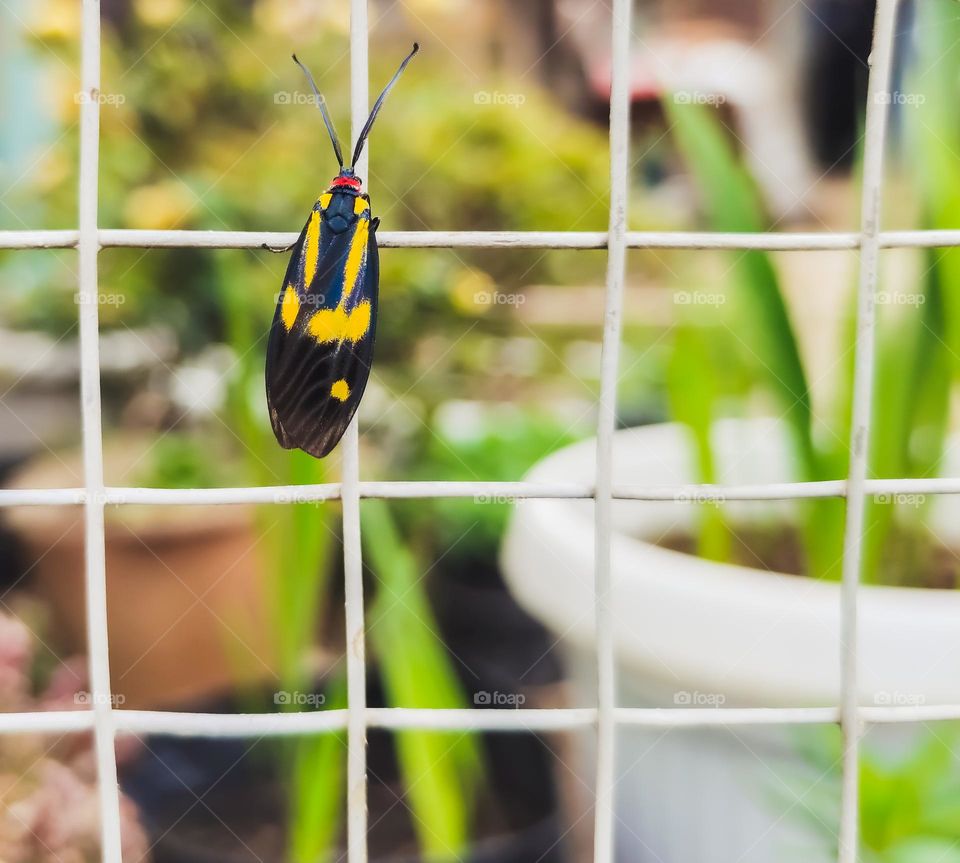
(914, 366)
(199, 131)
(486, 361)
(909, 790)
(48, 783)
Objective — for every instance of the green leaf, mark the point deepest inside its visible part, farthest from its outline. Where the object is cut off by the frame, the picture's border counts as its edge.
(916, 350)
(440, 771)
(733, 204)
(318, 789)
(924, 849)
(693, 388)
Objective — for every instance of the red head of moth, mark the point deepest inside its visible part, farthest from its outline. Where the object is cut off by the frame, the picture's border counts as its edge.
(343, 180)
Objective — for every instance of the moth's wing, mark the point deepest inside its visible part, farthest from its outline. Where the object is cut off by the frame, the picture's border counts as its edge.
(350, 362)
(279, 339)
(315, 384)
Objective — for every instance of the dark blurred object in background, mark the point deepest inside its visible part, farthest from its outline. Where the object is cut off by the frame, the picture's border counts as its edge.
(837, 45)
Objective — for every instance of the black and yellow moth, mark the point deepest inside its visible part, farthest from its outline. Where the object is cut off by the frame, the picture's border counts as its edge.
(321, 341)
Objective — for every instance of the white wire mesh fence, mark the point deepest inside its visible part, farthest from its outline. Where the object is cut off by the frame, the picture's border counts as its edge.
(105, 721)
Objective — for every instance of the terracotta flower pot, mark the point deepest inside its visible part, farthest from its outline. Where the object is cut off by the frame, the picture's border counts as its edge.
(188, 605)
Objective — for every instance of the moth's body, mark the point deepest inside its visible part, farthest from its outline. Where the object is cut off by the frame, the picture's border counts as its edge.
(321, 341)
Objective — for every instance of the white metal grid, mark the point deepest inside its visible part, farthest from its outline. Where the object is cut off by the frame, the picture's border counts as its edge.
(356, 718)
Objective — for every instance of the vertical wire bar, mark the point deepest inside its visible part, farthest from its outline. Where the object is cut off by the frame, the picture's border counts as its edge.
(603, 849)
(350, 498)
(94, 539)
(881, 63)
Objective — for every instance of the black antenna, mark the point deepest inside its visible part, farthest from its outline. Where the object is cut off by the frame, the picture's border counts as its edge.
(377, 105)
(322, 105)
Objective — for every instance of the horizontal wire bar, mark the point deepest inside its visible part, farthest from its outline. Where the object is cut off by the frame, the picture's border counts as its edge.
(531, 720)
(782, 241)
(46, 722)
(386, 239)
(42, 496)
(39, 239)
(879, 715)
(482, 492)
(692, 240)
(465, 719)
(700, 717)
(174, 724)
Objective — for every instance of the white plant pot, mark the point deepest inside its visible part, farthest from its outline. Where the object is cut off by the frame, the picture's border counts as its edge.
(690, 631)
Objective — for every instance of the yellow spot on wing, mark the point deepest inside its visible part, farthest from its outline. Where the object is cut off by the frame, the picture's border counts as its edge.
(355, 257)
(340, 390)
(358, 322)
(311, 249)
(289, 307)
(359, 205)
(325, 199)
(338, 325)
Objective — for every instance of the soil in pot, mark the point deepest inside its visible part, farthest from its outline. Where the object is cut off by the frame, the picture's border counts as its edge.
(777, 549)
(240, 814)
(911, 558)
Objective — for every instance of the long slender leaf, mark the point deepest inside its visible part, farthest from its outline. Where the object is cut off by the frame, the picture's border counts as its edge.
(295, 549)
(317, 789)
(917, 351)
(441, 771)
(733, 205)
(693, 392)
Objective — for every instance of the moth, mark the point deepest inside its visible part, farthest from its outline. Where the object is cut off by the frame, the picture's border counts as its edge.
(320, 347)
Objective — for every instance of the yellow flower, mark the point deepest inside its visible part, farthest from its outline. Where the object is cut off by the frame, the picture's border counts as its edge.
(424, 8)
(158, 207)
(159, 13)
(61, 94)
(53, 170)
(55, 19)
(301, 19)
(473, 292)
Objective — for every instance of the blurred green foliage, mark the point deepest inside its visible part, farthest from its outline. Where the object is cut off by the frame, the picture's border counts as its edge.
(501, 444)
(210, 134)
(203, 127)
(909, 792)
(915, 360)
